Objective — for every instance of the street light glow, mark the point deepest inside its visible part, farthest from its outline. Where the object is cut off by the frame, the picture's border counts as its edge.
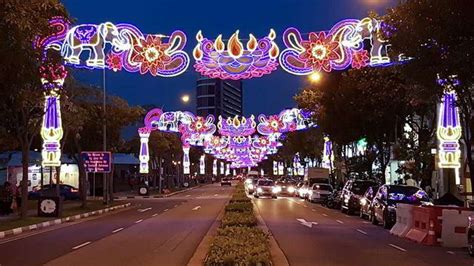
(315, 77)
(185, 98)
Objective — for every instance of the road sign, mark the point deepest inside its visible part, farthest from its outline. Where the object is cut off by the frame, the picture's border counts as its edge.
(97, 161)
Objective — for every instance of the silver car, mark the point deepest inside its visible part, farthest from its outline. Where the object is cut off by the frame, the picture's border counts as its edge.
(266, 187)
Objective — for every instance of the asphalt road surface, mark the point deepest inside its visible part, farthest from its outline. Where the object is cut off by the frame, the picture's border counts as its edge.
(310, 234)
(153, 232)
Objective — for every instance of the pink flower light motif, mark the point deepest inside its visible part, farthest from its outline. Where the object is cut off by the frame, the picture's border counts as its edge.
(114, 62)
(320, 50)
(150, 53)
(360, 59)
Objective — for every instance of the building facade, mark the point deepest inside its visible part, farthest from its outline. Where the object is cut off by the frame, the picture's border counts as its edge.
(219, 97)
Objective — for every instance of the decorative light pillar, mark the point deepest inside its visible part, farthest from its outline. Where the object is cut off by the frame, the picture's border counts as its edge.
(186, 162)
(144, 157)
(227, 169)
(202, 164)
(52, 78)
(449, 129)
(222, 168)
(275, 168)
(327, 154)
(281, 168)
(214, 167)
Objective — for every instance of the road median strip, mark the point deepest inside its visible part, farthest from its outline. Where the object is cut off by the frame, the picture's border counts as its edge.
(27, 228)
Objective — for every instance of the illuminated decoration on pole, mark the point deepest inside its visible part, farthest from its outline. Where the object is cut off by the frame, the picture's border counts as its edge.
(449, 129)
(339, 48)
(202, 164)
(275, 168)
(214, 167)
(52, 78)
(236, 62)
(222, 169)
(118, 47)
(186, 163)
(227, 169)
(328, 156)
(281, 168)
(144, 153)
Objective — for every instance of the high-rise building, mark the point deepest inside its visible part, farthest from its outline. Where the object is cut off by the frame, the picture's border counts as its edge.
(219, 97)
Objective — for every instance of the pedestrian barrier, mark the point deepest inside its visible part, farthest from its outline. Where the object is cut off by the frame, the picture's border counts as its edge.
(423, 225)
(404, 220)
(454, 227)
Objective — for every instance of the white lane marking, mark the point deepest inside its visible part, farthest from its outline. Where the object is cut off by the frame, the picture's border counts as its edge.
(325, 215)
(175, 206)
(188, 196)
(144, 210)
(305, 205)
(117, 230)
(313, 210)
(81, 245)
(450, 252)
(347, 215)
(339, 221)
(215, 195)
(365, 222)
(154, 215)
(361, 231)
(306, 223)
(397, 247)
(165, 210)
(196, 208)
(139, 221)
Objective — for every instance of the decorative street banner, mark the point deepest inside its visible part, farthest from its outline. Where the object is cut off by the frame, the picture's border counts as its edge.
(97, 161)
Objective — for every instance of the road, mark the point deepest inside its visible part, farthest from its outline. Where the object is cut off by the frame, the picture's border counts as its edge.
(310, 234)
(154, 232)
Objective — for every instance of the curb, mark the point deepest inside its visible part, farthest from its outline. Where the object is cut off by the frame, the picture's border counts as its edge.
(278, 257)
(157, 196)
(24, 229)
(201, 251)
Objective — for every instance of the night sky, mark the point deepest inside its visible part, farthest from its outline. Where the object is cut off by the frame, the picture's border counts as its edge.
(268, 94)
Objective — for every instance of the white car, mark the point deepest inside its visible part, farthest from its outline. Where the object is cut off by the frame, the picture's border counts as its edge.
(303, 190)
(266, 187)
(319, 192)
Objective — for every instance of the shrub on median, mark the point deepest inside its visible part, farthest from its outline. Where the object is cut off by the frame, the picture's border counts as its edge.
(239, 207)
(239, 219)
(239, 246)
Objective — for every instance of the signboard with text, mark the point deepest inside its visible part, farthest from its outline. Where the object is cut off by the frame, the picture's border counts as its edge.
(97, 161)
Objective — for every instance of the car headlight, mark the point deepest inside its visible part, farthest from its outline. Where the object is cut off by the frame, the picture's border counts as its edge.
(259, 190)
(291, 189)
(248, 181)
(250, 186)
(276, 189)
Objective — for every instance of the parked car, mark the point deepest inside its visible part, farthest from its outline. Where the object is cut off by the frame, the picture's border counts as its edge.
(287, 188)
(352, 193)
(67, 192)
(266, 187)
(226, 182)
(385, 201)
(366, 201)
(470, 236)
(319, 192)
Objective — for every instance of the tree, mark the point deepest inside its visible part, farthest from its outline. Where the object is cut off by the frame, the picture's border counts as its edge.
(438, 37)
(83, 123)
(21, 96)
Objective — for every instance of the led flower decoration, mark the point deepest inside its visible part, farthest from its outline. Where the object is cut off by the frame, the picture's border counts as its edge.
(236, 126)
(320, 50)
(114, 62)
(52, 76)
(150, 53)
(360, 59)
(258, 58)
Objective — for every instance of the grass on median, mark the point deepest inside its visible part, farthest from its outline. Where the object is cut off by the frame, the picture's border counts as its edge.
(92, 205)
(238, 240)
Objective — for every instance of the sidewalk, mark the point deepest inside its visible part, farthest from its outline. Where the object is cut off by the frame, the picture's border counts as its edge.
(33, 212)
